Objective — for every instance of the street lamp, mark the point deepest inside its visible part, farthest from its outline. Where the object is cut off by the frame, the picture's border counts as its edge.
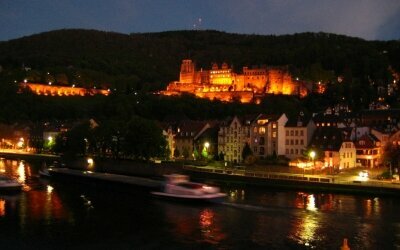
(312, 155)
(205, 149)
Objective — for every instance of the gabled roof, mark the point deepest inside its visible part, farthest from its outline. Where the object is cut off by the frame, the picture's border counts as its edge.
(327, 118)
(299, 121)
(367, 141)
(271, 117)
(244, 120)
(190, 129)
(328, 139)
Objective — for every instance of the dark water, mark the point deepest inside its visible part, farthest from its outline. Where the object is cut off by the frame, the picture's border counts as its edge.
(70, 215)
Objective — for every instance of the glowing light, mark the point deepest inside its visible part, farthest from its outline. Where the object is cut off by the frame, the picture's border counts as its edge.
(311, 203)
(2, 166)
(207, 145)
(90, 162)
(21, 172)
(49, 189)
(50, 139)
(2, 207)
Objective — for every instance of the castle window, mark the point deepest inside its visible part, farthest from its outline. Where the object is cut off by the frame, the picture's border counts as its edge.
(273, 125)
(262, 130)
(273, 134)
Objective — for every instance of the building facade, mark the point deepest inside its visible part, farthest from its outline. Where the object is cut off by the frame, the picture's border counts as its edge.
(233, 135)
(298, 134)
(267, 135)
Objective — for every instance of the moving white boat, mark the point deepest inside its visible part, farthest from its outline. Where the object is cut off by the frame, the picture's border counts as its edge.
(9, 184)
(44, 172)
(179, 187)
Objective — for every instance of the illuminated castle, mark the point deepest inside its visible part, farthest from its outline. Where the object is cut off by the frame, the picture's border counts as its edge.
(51, 90)
(223, 84)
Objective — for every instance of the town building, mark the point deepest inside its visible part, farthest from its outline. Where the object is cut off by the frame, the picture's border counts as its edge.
(233, 135)
(368, 151)
(267, 135)
(333, 148)
(187, 133)
(298, 134)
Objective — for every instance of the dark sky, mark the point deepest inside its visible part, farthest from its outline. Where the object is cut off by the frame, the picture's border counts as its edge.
(368, 19)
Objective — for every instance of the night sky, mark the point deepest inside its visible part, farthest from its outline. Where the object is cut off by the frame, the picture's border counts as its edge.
(368, 19)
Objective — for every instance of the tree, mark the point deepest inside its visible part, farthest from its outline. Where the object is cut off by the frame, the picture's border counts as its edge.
(76, 141)
(185, 153)
(196, 153)
(221, 156)
(246, 152)
(143, 139)
(177, 153)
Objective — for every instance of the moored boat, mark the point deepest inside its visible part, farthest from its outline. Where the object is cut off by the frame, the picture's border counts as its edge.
(9, 184)
(179, 187)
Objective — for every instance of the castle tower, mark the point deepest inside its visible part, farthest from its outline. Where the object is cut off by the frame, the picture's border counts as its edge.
(187, 73)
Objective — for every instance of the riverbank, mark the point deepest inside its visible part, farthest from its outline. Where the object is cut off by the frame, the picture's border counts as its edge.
(260, 178)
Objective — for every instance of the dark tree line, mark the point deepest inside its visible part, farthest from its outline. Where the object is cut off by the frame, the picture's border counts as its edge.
(137, 139)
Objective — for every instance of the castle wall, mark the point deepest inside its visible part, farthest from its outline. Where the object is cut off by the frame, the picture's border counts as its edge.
(208, 83)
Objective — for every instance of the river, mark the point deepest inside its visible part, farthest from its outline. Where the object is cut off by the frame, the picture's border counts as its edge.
(72, 215)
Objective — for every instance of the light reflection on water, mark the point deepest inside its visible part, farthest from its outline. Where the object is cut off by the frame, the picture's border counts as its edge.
(250, 217)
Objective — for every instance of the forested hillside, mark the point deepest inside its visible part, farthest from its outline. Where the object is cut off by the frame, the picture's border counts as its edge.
(149, 61)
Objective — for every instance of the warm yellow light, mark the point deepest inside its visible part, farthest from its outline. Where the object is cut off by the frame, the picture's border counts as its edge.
(207, 144)
(90, 162)
(312, 154)
(49, 189)
(50, 138)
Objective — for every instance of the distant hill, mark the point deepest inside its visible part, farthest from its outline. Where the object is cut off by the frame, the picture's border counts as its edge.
(148, 61)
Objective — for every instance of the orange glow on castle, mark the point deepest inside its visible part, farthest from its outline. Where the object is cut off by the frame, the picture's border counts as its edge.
(51, 90)
(223, 84)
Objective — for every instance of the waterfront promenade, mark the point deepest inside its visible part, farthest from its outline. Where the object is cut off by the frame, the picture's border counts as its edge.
(150, 174)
